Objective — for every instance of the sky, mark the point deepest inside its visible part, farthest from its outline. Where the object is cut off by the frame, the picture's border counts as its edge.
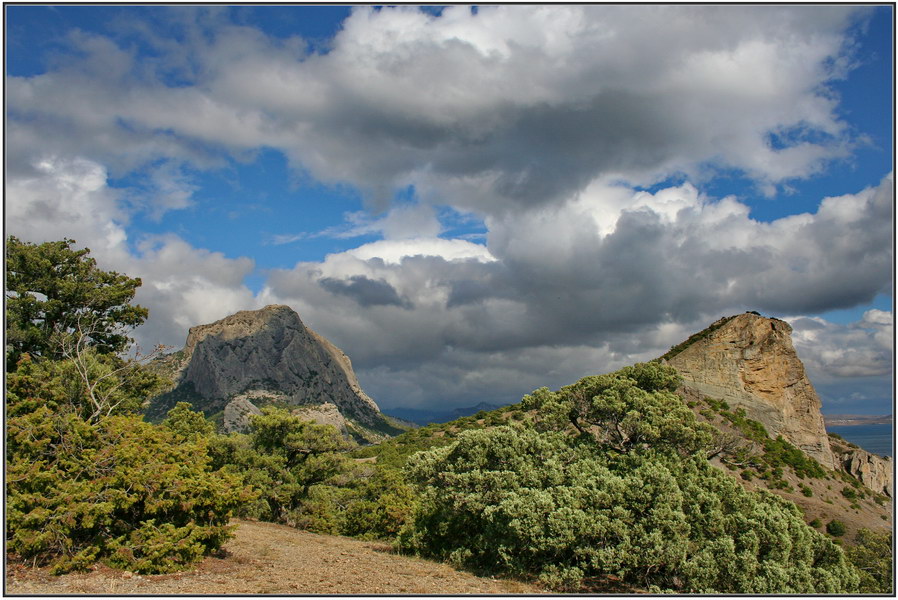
(474, 202)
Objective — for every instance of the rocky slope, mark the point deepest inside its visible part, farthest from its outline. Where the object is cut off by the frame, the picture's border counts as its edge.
(749, 362)
(873, 471)
(267, 356)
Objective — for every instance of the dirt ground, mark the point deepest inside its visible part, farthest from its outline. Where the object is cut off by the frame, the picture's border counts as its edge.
(264, 558)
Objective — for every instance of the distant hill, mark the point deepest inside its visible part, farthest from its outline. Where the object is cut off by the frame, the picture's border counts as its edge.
(422, 416)
(843, 420)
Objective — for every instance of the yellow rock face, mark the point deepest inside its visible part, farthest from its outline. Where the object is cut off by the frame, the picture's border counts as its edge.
(750, 363)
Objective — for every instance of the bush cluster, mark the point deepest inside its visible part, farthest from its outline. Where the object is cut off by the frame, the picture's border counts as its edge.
(539, 503)
(306, 479)
(120, 490)
(87, 479)
(835, 528)
(872, 556)
(613, 480)
(777, 452)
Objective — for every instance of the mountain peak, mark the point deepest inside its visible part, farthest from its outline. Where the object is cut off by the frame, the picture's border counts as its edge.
(243, 323)
(268, 355)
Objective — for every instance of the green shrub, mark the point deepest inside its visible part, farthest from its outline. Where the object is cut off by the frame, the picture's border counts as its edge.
(562, 509)
(318, 510)
(807, 491)
(849, 493)
(835, 528)
(382, 507)
(695, 337)
(625, 411)
(872, 555)
(717, 404)
(816, 523)
(494, 418)
(779, 452)
(283, 457)
(186, 423)
(122, 491)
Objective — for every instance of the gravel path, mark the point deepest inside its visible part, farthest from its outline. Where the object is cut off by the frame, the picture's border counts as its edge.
(264, 558)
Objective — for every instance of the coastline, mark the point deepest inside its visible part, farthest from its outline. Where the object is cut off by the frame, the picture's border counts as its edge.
(850, 420)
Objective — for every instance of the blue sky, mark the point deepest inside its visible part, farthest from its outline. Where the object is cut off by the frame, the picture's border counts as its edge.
(474, 203)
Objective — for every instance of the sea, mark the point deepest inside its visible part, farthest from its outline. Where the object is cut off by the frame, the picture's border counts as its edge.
(872, 438)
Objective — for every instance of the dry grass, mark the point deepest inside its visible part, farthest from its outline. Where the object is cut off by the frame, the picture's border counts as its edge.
(264, 558)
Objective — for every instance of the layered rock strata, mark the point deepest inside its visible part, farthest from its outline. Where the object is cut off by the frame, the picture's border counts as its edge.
(749, 361)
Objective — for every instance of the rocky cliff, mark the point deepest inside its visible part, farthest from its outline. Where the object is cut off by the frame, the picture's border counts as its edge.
(749, 361)
(873, 471)
(269, 356)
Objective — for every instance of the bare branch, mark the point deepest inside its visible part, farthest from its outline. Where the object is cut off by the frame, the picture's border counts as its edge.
(100, 384)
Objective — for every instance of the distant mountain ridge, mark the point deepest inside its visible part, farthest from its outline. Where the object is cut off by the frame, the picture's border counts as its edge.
(424, 416)
(843, 420)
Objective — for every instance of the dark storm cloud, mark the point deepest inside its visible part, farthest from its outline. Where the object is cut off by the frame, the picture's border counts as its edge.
(521, 115)
(562, 290)
(364, 291)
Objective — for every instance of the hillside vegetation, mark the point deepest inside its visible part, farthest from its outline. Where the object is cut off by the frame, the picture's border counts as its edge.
(608, 480)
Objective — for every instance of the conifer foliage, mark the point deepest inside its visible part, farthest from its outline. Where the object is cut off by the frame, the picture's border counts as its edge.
(87, 479)
(53, 289)
(573, 503)
(283, 457)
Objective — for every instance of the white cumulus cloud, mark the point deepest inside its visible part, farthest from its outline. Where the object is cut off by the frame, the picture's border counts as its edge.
(512, 106)
(181, 285)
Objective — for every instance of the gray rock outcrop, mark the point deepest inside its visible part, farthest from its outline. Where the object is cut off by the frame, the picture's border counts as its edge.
(237, 413)
(324, 414)
(875, 472)
(271, 353)
(268, 356)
